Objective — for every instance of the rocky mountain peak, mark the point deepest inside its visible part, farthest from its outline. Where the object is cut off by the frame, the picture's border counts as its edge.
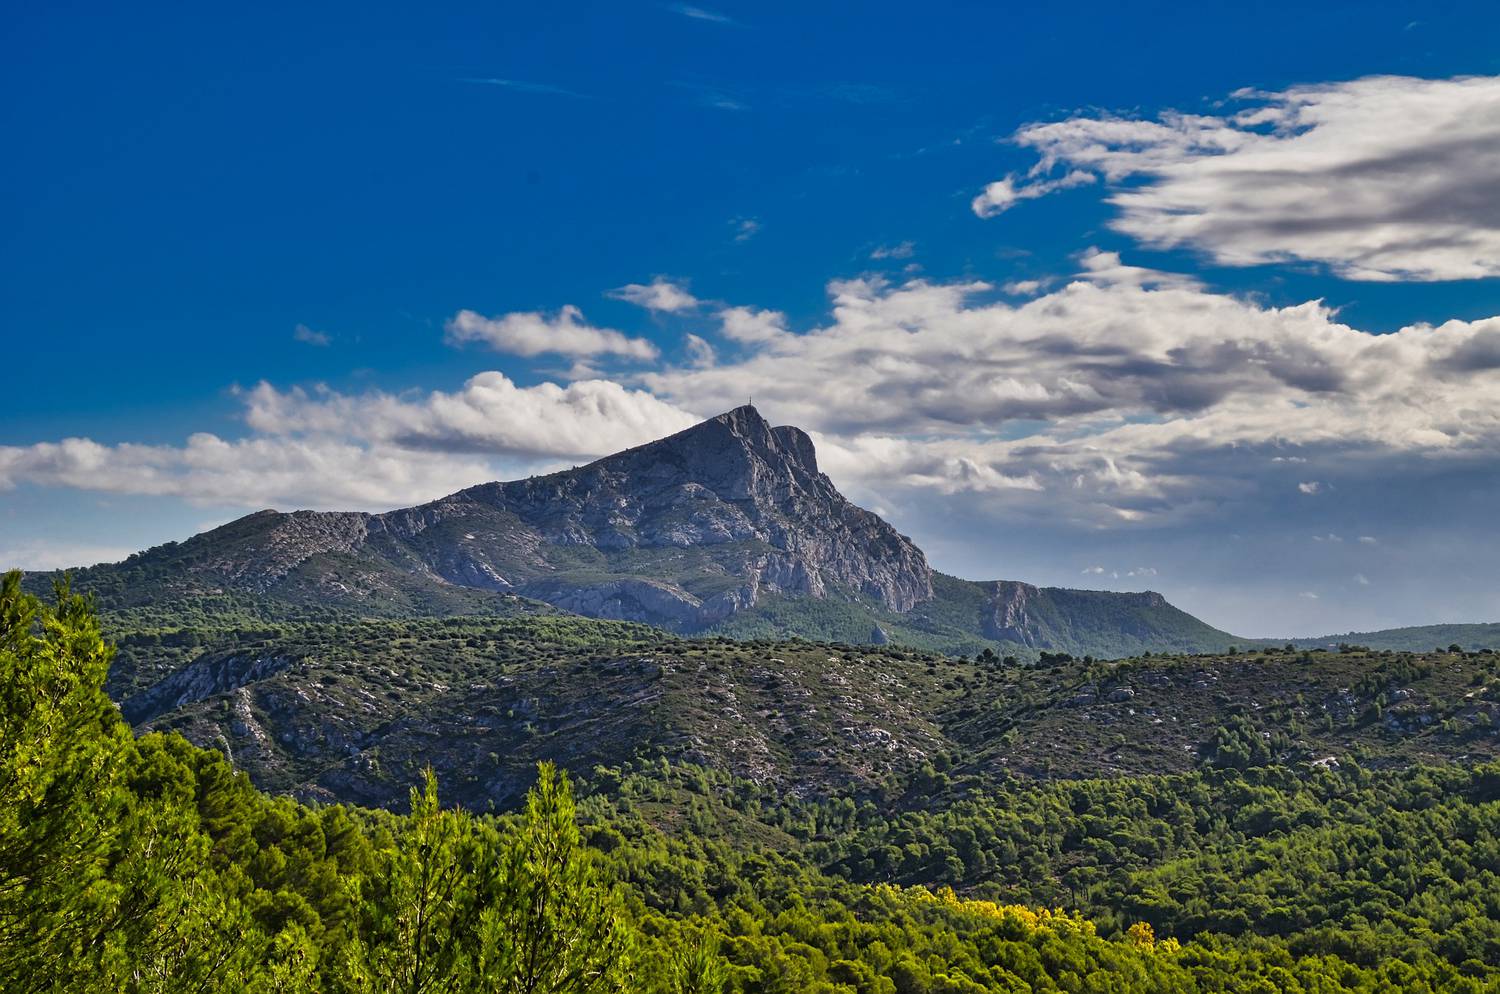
(745, 421)
(738, 455)
(744, 496)
(772, 444)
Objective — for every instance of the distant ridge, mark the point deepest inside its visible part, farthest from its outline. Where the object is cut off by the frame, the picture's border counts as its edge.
(1417, 638)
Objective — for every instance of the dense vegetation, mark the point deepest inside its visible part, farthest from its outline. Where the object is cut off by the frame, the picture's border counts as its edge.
(147, 864)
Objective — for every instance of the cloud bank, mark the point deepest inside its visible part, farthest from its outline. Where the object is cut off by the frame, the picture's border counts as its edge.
(1382, 178)
(1123, 396)
(373, 451)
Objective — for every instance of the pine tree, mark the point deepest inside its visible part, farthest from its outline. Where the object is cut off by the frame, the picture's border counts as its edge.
(424, 906)
(552, 926)
(62, 753)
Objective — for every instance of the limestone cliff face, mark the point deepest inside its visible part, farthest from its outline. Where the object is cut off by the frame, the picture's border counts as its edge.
(747, 494)
(1009, 617)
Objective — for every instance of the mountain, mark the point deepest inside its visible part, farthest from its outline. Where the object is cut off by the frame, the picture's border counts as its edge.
(726, 527)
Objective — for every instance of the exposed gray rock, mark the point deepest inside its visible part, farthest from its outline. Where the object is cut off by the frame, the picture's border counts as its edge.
(200, 679)
(735, 485)
(1009, 617)
(628, 599)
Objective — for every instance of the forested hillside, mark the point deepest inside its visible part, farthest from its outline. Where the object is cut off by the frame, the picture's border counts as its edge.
(147, 864)
(353, 710)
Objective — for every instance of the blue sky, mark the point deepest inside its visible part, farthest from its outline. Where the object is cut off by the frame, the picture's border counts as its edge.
(187, 187)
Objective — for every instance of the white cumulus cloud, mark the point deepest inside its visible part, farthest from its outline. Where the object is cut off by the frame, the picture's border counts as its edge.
(530, 333)
(1122, 396)
(374, 450)
(660, 294)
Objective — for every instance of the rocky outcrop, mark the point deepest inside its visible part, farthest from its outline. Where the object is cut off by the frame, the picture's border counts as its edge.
(627, 599)
(747, 493)
(1009, 616)
(200, 680)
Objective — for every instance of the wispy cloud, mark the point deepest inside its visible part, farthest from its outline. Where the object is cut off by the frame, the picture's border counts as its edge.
(1386, 178)
(745, 228)
(709, 96)
(661, 294)
(523, 86)
(308, 336)
(701, 14)
(530, 333)
(1003, 194)
(701, 354)
(44, 554)
(901, 250)
(1115, 574)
